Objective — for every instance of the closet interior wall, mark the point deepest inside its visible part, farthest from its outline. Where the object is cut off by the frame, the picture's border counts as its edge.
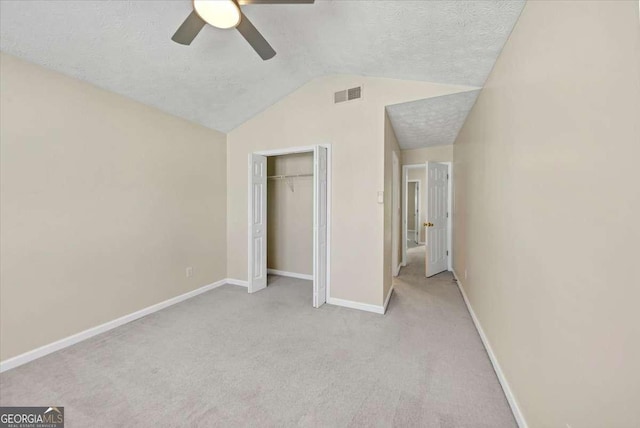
(290, 213)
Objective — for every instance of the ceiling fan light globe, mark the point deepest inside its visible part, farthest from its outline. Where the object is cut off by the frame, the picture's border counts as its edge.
(219, 13)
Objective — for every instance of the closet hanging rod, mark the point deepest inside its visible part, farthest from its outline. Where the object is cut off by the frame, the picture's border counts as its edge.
(277, 177)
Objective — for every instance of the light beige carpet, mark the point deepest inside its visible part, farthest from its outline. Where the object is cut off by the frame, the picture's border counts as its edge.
(412, 244)
(231, 359)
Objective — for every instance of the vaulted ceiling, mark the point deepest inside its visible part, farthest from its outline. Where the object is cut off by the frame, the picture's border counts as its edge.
(220, 82)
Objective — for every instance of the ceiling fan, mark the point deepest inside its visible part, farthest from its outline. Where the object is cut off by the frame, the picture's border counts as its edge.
(226, 14)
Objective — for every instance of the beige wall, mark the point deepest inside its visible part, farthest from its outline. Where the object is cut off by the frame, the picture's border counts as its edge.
(390, 147)
(104, 203)
(290, 214)
(428, 154)
(546, 213)
(420, 174)
(356, 132)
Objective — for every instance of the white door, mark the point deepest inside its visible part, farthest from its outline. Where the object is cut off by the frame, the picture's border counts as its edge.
(436, 233)
(258, 223)
(319, 226)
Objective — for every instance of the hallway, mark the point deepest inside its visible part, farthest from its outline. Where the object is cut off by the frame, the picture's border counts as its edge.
(415, 262)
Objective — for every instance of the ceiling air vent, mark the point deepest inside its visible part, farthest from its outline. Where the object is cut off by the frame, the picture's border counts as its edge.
(347, 95)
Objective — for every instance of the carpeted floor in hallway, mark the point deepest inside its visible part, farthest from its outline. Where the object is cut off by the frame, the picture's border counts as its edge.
(229, 359)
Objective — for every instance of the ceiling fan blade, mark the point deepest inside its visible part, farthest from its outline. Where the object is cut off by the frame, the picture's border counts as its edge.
(189, 29)
(255, 39)
(243, 2)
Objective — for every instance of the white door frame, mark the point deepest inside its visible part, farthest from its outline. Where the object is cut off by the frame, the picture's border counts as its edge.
(396, 214)
(418, 205)
(289, 151)
(405, 177)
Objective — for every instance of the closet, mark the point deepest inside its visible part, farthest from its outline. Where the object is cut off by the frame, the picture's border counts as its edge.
(290, 215)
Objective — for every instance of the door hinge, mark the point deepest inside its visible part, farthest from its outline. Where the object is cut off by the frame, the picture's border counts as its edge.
(447, 252)
(447, 176)
(447, 215)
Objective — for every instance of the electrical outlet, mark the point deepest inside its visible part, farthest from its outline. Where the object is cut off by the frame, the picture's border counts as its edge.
(465, 274)
(189, 272)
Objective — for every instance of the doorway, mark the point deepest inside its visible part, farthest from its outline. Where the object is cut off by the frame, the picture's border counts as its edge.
(290, 216)
(258, 213)
(413, 213)
(422, 184)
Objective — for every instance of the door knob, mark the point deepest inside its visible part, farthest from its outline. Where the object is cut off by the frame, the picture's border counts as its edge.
(428, 224)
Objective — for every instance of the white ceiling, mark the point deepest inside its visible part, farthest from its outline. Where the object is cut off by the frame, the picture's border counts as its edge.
(220, 82)
(432, 121)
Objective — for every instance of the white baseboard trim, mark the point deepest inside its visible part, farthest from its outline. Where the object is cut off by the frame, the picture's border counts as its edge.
(397, 271)
(239, 282)
(34, 354)
(386, 301)
(356, 305)
(290, 274)
(513, 403)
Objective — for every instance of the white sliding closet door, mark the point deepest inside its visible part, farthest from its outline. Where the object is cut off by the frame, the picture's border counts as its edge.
(319, 226)
(258, 223)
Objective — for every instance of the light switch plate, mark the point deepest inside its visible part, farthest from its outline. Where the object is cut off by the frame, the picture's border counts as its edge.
(381, 197)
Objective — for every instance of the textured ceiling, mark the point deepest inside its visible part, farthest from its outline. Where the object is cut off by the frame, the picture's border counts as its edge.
(432, 121)
(220, 82)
